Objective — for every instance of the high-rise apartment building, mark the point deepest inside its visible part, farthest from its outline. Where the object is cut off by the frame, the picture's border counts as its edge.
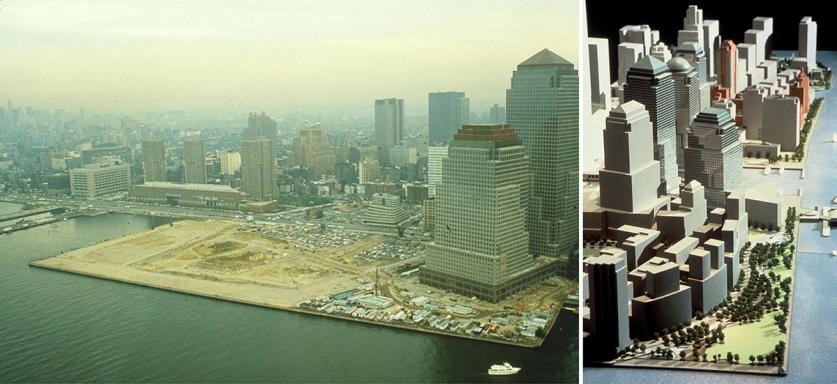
(230, 162)
(447, 112)
(260, 125)
(154, 160)
(649, 82)
(194, 160)
(389, 125)
(258, 169)
(480, 212)
(542, 107)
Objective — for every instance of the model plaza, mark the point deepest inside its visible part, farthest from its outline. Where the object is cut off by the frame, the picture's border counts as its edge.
(686, 266)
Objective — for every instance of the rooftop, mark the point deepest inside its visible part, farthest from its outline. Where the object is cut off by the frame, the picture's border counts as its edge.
(545, 58)
(189, 186)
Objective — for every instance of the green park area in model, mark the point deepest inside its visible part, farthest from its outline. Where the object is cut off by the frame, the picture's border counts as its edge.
(759, 337)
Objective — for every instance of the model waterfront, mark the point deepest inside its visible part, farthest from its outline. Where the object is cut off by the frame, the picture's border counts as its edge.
(808, 357)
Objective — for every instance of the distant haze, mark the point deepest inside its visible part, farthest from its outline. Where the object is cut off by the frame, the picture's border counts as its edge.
(226, 58)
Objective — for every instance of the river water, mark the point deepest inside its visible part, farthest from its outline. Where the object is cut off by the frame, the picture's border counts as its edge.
(57, 326)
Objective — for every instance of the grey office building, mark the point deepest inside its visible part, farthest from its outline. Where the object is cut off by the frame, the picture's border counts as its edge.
(649, 82)
(542, 107)
(389, 126)
(480, 246)
(714, 156)
(154, 160)
(447, 112)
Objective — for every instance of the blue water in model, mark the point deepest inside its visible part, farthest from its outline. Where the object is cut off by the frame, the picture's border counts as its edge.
(57, 326)
(813, 339)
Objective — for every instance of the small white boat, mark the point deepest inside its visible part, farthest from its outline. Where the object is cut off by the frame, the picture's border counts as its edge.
(504, 369)
(834, 137)
(834, 252)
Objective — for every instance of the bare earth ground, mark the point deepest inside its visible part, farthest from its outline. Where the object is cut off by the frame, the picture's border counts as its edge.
(223, 254)
(240, 262)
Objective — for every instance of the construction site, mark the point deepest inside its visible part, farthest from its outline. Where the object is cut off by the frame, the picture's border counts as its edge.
(315, 269)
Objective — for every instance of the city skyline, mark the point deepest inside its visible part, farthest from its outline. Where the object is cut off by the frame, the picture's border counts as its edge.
(136, 57)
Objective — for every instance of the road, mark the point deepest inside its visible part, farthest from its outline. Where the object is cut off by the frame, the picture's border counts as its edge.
(285, 217)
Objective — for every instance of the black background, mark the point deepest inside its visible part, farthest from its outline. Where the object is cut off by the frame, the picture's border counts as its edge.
(604, 18)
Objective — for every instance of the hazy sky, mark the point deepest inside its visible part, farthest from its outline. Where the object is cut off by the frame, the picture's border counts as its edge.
(233, 57)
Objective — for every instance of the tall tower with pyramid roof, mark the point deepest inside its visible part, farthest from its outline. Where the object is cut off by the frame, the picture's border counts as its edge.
(542, 107)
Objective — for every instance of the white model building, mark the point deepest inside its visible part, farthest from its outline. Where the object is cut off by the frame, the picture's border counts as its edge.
(808, 41)
(650, 83)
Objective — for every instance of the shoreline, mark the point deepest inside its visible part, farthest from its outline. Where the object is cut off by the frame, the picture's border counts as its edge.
(45, 264)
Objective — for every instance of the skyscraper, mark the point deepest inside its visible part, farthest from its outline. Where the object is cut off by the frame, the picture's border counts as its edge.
(542, 107)
(650, 83)
(808, 41)
(447, 111)
(714, 156)
(258, 169)
(480, 212)
(259, 125)
(154, 160)
(389, 125)
(194, 160)
(687, 100)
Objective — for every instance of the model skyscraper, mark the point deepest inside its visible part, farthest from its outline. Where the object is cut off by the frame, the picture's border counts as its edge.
(649, 82)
